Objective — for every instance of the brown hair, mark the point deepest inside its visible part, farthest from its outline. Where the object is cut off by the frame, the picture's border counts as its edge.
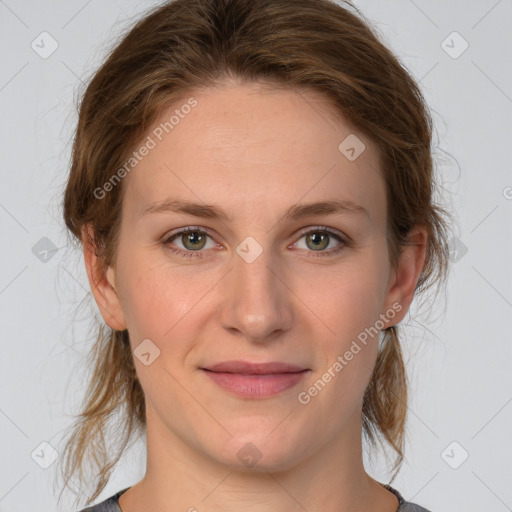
(188, 45)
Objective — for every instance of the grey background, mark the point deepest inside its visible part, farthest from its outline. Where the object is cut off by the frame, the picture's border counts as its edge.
(458, 357)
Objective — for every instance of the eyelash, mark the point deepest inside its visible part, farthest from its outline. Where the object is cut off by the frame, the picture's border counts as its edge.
(200, 254)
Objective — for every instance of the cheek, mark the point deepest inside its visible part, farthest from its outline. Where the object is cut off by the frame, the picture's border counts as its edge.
(346, 359)
(159, 298)
(349, 299)
(140, 291)
(158, 302)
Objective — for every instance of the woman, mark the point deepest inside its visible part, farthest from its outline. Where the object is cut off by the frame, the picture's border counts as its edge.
(252, 186)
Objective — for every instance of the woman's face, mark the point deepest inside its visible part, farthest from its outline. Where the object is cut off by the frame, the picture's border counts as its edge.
(264, 277)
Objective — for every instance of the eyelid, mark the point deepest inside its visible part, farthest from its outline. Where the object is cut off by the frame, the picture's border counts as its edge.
(331, 231)
(186, 229)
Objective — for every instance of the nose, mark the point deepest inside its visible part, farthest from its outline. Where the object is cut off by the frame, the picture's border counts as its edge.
(257, 303)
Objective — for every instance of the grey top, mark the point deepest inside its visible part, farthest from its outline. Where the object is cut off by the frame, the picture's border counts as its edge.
(111, 504)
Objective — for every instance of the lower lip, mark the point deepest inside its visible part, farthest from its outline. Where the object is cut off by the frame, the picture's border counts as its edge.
(256, 386)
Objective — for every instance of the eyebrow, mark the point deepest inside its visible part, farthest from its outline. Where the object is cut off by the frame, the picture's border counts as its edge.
(296, 211)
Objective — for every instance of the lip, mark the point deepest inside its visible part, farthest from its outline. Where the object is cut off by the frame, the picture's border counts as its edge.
(255, 380)
(247, 368)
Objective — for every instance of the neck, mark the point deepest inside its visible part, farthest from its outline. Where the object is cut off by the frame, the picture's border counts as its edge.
(181, 477)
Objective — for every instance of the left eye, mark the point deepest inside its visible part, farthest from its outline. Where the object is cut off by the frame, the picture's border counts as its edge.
(318, 240)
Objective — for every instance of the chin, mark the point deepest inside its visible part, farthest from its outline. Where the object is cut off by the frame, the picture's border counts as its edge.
(253, 453)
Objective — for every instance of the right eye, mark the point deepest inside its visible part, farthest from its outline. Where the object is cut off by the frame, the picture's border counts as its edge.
(192, 239)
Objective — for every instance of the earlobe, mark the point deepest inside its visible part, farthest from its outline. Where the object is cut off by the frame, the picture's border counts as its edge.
(102, 283)
(403, 280)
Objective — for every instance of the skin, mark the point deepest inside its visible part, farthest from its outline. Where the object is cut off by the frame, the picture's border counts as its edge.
(254, 152)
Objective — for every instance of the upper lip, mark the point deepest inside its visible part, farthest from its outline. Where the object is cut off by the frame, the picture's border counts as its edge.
(244, 367)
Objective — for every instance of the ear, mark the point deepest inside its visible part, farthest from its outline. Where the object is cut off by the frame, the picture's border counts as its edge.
(402, 280)
(102, 283)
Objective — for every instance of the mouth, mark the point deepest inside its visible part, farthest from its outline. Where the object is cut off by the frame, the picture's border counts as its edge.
(255, 380)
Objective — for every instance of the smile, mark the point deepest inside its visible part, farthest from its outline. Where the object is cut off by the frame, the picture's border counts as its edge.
(255, 380)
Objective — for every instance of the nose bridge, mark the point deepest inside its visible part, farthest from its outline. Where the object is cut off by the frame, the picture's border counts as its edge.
(256, 301)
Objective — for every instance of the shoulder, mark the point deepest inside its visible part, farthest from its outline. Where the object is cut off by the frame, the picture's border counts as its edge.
(404, 506)
(109, 505)
(411, 507)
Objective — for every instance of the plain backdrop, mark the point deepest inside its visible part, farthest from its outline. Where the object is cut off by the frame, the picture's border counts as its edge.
(459, 449)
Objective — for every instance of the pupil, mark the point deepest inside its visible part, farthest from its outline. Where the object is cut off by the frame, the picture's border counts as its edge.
(194, 238)
(318, 239)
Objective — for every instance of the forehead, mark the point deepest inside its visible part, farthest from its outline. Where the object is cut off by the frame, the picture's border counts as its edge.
(247, 147)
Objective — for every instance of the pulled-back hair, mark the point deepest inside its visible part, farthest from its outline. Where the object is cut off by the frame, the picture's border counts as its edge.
(184, 46)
